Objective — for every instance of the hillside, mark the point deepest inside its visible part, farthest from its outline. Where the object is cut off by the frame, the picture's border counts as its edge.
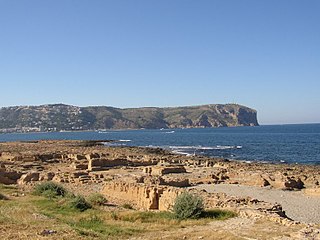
(57, 117)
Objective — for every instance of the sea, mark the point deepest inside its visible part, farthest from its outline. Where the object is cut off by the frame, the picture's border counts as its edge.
(295, 144)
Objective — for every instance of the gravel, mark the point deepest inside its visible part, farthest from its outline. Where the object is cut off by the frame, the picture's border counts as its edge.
(299, 207)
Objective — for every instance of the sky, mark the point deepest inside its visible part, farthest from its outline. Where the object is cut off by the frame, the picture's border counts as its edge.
(132, 53)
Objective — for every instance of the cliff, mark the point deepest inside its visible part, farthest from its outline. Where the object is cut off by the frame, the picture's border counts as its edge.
(58, 117)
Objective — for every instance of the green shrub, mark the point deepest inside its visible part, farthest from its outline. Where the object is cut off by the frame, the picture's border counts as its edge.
(80, 203)
(188, 205)
(50, 190)
(97, 199)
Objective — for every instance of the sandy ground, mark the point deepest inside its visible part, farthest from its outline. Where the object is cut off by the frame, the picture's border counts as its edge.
(232, 229)
(299, 207)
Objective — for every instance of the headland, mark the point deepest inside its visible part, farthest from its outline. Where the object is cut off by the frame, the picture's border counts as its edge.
(61, 117)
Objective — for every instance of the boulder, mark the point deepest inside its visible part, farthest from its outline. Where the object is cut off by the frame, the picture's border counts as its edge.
(291, 184)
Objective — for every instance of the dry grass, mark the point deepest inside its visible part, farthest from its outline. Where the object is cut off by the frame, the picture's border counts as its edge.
(27, 216)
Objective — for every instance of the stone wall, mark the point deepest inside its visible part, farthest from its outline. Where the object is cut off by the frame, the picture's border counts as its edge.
(100, 164)
(162, 170)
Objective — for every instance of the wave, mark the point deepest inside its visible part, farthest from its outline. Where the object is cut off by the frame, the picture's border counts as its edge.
(114, 144)
(124, 140)
(218, 147)
(181, 153)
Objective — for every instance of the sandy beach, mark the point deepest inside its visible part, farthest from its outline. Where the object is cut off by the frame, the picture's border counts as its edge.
(296, 204)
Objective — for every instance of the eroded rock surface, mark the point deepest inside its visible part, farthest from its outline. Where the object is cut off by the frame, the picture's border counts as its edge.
(151, 178)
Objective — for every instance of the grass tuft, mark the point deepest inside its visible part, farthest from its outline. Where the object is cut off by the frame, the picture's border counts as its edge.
(97, 199)
(218, 214)
(50, 190)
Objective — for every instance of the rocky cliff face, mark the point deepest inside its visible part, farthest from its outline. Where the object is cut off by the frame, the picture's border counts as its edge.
(65, 117)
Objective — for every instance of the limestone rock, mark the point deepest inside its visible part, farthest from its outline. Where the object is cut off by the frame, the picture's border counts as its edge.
(162, 170)
(46, 176)
(29, 177)
(90, 156)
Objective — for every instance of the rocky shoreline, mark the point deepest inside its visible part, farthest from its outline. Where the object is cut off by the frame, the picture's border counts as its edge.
(150, 179)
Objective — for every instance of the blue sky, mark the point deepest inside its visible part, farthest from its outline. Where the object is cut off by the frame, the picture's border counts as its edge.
(131, 53)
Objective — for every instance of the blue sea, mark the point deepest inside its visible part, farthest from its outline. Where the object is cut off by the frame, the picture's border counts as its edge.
(275, 143)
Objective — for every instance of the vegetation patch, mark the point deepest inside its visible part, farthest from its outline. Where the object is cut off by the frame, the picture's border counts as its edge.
(90, 223)
(55, 209)
(80, 203)
(50, 190)
(147, 217)
(95, 226)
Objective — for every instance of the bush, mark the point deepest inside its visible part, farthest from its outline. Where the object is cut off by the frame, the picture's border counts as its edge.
(97, 199)
(188, 205)
(50, 190)
(80, 203)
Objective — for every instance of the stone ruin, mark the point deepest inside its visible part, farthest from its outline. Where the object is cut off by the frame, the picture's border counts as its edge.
(143, 196)
(157, 197)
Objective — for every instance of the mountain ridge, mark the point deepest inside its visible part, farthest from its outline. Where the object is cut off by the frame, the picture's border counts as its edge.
(57, 117)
